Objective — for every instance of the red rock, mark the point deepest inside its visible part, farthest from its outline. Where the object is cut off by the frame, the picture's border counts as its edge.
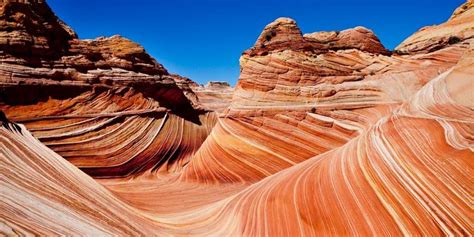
(44, 194)
(95, 95)
(30, 29)
(325, 134)
(284, 34)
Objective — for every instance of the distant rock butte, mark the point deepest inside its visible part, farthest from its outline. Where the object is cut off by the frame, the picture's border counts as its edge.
(215, 95)
(284, 34)
(325, 133)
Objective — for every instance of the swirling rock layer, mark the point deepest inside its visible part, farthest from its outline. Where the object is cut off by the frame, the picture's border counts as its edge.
(43, 194)
(105, 104)
(416, 160)
(325, 133)
(114, 132)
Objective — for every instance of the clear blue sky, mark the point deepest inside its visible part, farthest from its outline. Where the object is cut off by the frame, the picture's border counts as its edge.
(203, 39)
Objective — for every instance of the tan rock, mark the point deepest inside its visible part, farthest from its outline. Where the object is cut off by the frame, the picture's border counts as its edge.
(459, 28)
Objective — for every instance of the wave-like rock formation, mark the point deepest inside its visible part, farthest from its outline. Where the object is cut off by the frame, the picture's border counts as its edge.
(104, 104)
(114, 132)
(43, 194)
(408, 174)
(326, 133)
(315, 92)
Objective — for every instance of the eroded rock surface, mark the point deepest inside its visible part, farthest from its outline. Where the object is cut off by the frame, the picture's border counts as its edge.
(459, 28)
(326, 133)
(103, 104)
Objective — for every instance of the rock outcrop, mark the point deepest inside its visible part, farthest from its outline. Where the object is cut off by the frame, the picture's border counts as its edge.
(284, 34)
(104, 104)
(315, 99)
(407, 174)
(326, 133)
(459, 28)
(347, 65)
(39, 49)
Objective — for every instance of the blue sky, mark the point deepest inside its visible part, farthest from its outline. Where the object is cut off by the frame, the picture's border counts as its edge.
(203, 39)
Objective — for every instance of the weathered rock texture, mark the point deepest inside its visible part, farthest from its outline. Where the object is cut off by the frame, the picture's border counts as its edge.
(104, 104)
(39, 49)
(293, 102)
(43, 194)
(327, 133)
(407, 174)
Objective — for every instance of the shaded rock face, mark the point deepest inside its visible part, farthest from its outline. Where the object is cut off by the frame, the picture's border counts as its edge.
(7, 124)
(31, 30)
(82, 96)
(326, 134)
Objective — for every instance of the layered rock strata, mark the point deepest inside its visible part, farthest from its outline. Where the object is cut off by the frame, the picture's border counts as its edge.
(326, 133)
(104, 104)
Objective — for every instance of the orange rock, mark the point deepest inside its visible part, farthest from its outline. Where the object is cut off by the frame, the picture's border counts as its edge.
(325, 133)
(459, 28)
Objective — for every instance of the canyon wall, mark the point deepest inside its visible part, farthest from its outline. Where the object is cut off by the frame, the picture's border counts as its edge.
(326, 133)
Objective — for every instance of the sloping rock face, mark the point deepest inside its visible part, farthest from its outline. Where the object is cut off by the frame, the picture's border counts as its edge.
(460, 27)
(304, 91)
(376, 155)
(326, 133)
(407, 174)
(104, 104)
(43, 194)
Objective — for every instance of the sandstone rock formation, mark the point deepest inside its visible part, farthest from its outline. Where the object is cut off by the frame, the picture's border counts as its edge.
(315, 98)
(43, 194)
(408, 174)
(105, 95)
(215, 95)
(431, 38)
(326, 133)
(38, 48)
